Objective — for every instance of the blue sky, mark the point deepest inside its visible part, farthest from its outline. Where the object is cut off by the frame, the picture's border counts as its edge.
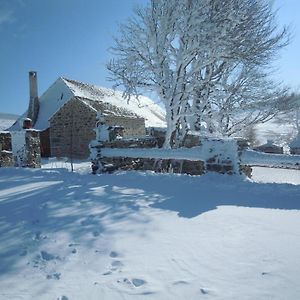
(70, 38)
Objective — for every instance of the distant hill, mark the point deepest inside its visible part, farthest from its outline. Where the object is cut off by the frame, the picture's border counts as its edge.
(7, 116)
(7, 120)
(281, 133)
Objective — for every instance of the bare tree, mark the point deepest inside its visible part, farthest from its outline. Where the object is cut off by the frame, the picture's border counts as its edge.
(244, 98)
(187, 50)
(290, 112)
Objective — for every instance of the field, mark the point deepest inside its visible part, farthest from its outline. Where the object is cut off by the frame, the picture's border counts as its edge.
(134, 235)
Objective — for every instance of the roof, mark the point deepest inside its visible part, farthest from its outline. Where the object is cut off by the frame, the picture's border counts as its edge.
(108, 109)
(63, 89)
(142, 106)
(269, 144)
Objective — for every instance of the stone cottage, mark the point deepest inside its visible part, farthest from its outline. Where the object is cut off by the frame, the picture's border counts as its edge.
(269, 147)
(66, 113)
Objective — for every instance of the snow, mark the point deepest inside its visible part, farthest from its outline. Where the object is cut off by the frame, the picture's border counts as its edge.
(18, 145)
(50, 102)
(280, 133)
(6, 123)
(250, 157)
(62, 90)
(141, 235)
(224, 149)
(153, 114)
(269, 175)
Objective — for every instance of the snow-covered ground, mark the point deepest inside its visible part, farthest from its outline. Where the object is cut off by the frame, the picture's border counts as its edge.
(134, 235)
(266, 175)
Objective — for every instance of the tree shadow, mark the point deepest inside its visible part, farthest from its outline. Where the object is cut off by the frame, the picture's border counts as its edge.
(38, 204)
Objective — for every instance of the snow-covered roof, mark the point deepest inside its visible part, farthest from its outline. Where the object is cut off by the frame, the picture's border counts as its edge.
(144, 107)
(63, 89)
(108, 109)
(269, 144)
(50, 102)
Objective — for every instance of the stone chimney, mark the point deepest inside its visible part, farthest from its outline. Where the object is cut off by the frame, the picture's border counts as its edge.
(34, 105)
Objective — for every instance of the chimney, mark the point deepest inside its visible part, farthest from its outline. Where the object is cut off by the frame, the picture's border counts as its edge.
(33, 108)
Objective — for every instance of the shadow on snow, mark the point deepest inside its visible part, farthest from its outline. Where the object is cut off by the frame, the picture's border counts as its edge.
(38, 202)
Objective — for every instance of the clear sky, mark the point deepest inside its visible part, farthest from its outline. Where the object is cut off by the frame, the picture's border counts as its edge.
(70, 38)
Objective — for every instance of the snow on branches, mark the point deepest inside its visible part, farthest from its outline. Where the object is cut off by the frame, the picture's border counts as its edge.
(206, 60)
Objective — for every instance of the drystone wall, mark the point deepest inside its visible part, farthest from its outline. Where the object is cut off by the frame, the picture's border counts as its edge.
(20, 149)
(32, 149)
(217, 159)
(6, 157)
(147, 142)
(156, 165)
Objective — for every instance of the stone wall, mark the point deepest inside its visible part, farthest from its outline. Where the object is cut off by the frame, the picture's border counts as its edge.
(132, 126)
(242, 145)
(156, 165)
(6, 159)
(145, 142)
(32, 149)
(5, 141)
(223, 156)
(72, 129)
(29, 156)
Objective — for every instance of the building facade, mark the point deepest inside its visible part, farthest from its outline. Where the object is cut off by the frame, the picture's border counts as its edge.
(72, 127)
(65, 115)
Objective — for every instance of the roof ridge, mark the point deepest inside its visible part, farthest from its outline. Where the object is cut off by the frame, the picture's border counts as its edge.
(74, 81)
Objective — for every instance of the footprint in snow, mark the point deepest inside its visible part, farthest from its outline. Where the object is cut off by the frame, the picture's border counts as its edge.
(180, 282)
(43, 259)
(24, 251)
(39, 236)
(90, 220)
(204, 291)
(63, 298)
(107, 273)
(113, 254)
(136, 282)
(96, 233)
(116, 265)
(124, 280)
(48, 256)
(265, 273)
(54, 276)
(44, 205)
